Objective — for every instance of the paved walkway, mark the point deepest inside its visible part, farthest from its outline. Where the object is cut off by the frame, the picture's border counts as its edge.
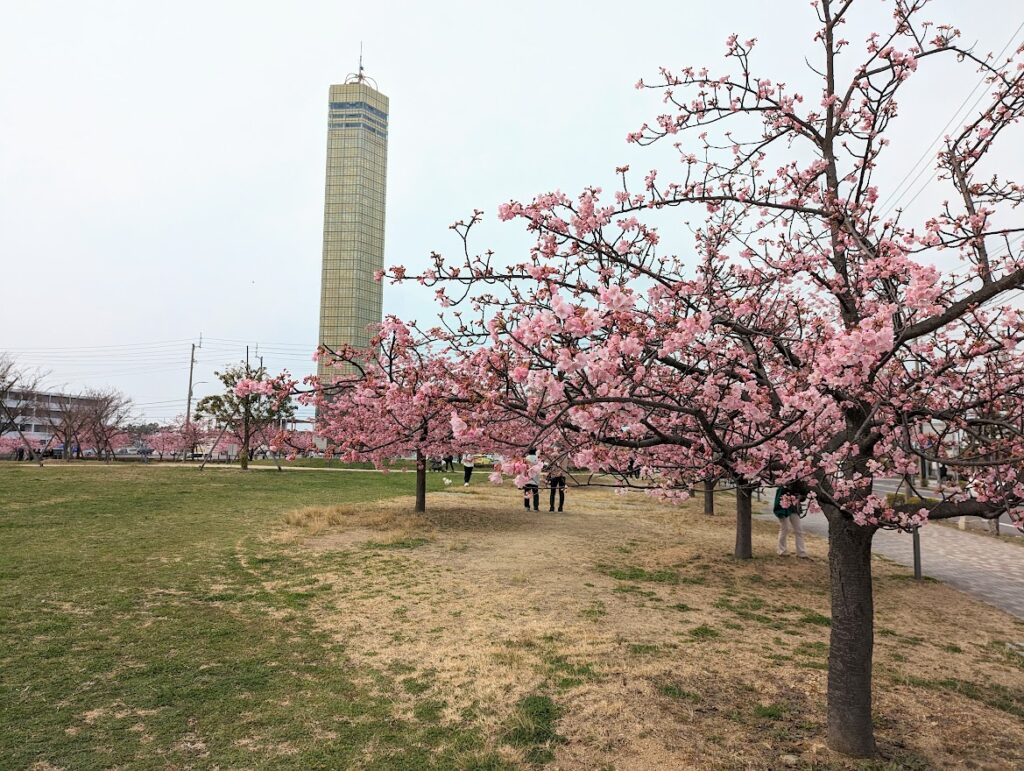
(973, 523)
(985, 567)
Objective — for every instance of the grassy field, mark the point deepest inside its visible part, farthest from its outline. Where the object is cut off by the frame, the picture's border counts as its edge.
(167, 618)
(402, 464)
(145, 620)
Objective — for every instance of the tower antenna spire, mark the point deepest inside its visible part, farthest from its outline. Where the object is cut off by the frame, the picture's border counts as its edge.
(360, 76)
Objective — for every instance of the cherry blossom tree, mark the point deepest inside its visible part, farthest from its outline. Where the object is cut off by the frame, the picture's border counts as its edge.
(105, 427)
(69, 425)
(812, 336)
(293, 443)
(247, 415)
(178, 438)
(9, 444)
(17, 389)
(393, 399)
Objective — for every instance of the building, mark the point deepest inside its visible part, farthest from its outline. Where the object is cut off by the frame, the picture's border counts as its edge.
(353, 250)
(35, 413)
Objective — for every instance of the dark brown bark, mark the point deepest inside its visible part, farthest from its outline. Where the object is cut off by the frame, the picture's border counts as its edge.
(709, 496)
(852, 639)
(744, 527)
(421, 481)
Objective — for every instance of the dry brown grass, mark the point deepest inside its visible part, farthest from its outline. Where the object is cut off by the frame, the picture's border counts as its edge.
(394, 519)
(660, 649)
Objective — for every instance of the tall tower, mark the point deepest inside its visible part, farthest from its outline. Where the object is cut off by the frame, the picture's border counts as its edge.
(357, 150)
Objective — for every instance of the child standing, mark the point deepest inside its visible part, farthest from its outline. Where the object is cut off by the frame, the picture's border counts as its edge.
(533, 486)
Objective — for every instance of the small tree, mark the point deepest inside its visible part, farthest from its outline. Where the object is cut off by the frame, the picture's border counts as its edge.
(248, 415)
(106, 421)
(393, 399)
(69, 426)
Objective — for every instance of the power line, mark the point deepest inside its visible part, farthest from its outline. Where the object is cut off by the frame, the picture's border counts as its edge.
(158, 343)
(942, 132)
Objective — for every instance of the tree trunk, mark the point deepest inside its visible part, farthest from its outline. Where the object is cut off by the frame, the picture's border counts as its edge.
(243, 456)
(744, 526)
(852, 638)
(421, 481)
(709, 496)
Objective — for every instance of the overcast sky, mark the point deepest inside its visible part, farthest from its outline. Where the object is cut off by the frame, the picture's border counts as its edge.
(162, 164)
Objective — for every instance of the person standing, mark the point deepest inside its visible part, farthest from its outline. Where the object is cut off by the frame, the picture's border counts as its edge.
(556, 481)
(532, 488)
(467, 469)
(789, 515)
(449, 464)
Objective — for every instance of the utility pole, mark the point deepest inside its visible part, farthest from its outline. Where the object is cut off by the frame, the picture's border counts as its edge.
(924, 461)
(188, 402)
(244, 455)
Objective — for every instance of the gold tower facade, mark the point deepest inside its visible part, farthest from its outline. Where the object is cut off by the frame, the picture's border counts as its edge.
(357, 150)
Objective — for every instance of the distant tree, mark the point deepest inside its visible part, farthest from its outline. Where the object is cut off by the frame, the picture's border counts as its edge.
(69, 427)
(17, 389)
(106, 426)
(250, 417)
(9, 444)
(176, 438)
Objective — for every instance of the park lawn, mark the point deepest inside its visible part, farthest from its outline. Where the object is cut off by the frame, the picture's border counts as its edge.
(398, 464)
(146, 621)
(163, 617)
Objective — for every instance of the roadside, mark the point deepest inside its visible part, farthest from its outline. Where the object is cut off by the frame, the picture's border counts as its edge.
(985, 567)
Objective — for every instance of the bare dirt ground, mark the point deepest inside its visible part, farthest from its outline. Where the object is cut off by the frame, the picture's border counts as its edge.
(658, 649)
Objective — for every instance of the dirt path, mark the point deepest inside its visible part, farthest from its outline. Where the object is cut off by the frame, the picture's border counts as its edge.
(659, 649)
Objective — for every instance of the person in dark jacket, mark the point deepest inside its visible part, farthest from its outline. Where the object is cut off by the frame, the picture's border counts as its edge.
(789, 515)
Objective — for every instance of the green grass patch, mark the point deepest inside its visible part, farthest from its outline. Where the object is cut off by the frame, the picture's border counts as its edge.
(745, 608)
(769, 711)
(643, 649)
(428, 711)
(635, 573)
(674, 691)
(402, 543)
(569, 674)
(814, 649)
(531, 726)
(637, 590)
(815, 618)
(704, 632)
